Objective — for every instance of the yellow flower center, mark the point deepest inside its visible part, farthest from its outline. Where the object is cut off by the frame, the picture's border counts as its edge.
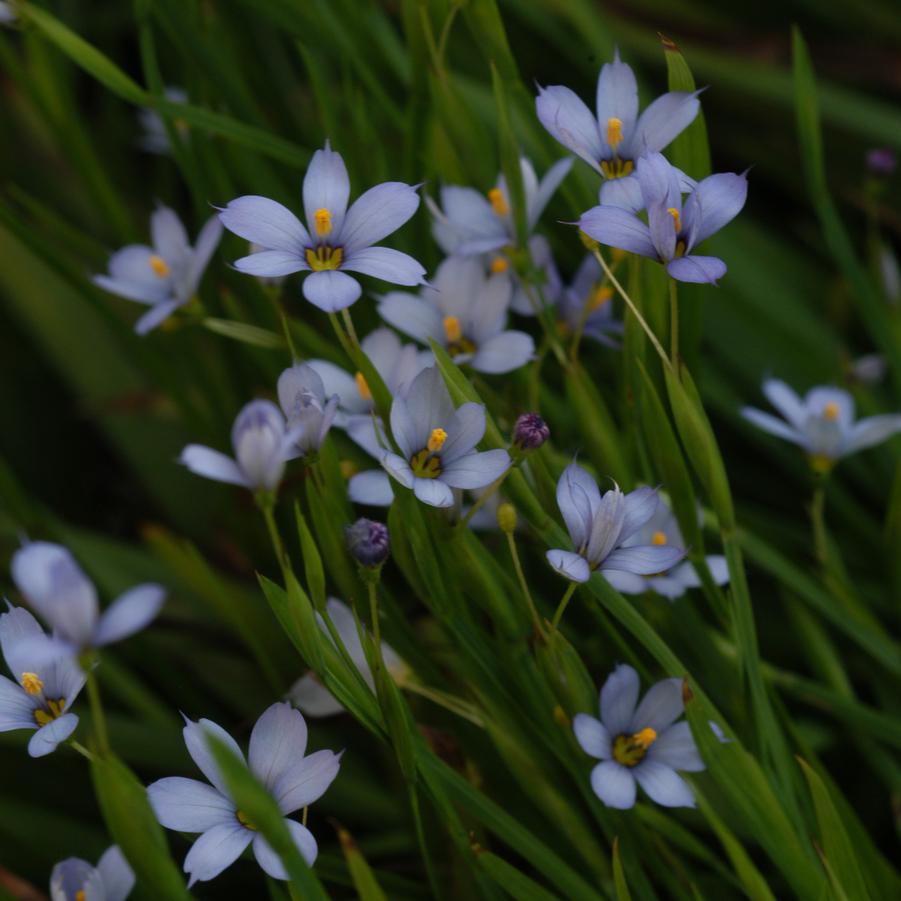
(600, 296)
(629, 750)
(159, 266)
(80, 895)
(244, 821)
(820, 463)
(32, 683)
(499, 264)
(498, 201)
(677, 219)
(436, 440)
(617, 168)
(452, 328)
(324, 257)
(830, 411)
(348, 469)
(322, 222)
(424, 463)
(54, 710)
(614, 132)
(363, 386)
(658, 538)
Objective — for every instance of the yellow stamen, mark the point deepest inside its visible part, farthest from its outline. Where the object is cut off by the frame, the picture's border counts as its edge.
(617, 168)
(820, 463)
(53, 711)
(599, 297)
(614, 132)
(80, 895)
(363, 386)
(322, 222)
(499, 264)
(159, 266)
(32, 683)
(831, 410)
(645, 738)
(348, 469)
(324, 257)
(630, 750)
(677, 221)
(436, 440)
(658, 538)
(498, 201)
(244, 821)
(452, 328)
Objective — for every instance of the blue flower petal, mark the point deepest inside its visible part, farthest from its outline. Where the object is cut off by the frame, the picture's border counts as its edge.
(331, 290)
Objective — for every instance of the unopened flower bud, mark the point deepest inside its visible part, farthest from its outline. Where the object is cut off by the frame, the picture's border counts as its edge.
(530, 431)
(881, 161)
(506, 518)
(368, 542)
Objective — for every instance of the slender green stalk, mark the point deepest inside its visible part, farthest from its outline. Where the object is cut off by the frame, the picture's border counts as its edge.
(631, 305)
(81, 749)
(447, 701)
(266, 503)
(674, 323)
(561, 608)
(480, 501)
(342, 338)
(97, 716)
(818, 521)
(520, 576)
(351, 331)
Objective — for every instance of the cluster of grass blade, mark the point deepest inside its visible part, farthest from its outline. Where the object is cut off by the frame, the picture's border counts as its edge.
(798, 659)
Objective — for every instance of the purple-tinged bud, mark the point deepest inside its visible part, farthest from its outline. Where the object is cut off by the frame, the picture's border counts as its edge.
(368, 542)
(881, 161)
(530, 432)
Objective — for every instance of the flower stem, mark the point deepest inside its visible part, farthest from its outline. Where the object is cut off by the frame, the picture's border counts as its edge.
(266, 503)
(818, 521)
(342, 338)
(97, 717)
(480, 501)
(536, 619)
(674, 323)
(447, 701)
(631, 305)
(371, 589)
(351, 331)
(562, 605)
(81, 749)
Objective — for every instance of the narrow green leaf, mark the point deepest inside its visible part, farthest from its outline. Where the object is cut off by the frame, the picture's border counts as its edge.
(510, 163)
(249, 334)
(837, 846)
(364, 879)
(252, 799)
(513, 881)
(134, 827)
(619, 876)
(311, 560)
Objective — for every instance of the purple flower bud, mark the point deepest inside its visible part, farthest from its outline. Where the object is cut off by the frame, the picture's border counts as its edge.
(881, 161)
(530, 431)
(368, 542)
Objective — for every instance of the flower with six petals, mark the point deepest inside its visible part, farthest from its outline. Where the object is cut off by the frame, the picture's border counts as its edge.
(600, 525)
(672, 231)
(75, 879)
(277, 747)
(639, 744)
(165, 276)
(336, 239)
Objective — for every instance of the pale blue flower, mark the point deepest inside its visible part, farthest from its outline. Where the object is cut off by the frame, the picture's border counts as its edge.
(43, 687)
(469, 223)
(339, 239)
(310, 695)
(466, 314)
(672, 231)
(822, 423)
(155, 138)
(277, 759)
(599, 527)
(262, 444)
(308, 409)
(640, 744)
(66, 599)
(588, 302)
(437, 443)
(75, 879)
(612, 141)
(165, 276)
(663, 530)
